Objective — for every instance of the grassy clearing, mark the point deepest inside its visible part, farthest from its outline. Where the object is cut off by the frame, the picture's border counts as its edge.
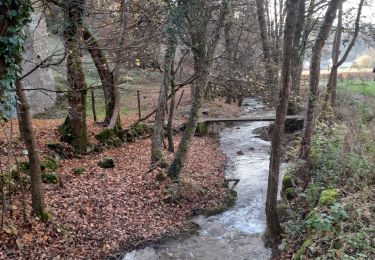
(362, 87)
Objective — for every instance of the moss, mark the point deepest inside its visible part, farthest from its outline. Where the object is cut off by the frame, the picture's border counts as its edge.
(24, 166)
(290, 193)
(54, 146)
(159, 157)
(106, 163)
(45, 216)
(287, 182)
(328, 197)
(104, 136)
(137, 131)
(50, 177)
(65, 131)
(50, 163)
(202, 129)
(78, 171)
(302, 250)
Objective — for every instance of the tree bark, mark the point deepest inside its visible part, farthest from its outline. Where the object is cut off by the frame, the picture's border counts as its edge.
(37, 192)
(157, 155)
(297, 58)
(273, 225)
(332, 80)
(314, 77)
(269, 73)
(104, 71)
(229, 56)
(172, 106)
(74, 129)
(332, 83)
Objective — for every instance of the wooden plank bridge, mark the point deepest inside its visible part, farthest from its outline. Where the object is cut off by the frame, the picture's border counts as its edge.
(292, 123)
(250, 119)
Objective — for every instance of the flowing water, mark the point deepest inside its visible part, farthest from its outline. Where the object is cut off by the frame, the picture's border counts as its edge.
(236, 233)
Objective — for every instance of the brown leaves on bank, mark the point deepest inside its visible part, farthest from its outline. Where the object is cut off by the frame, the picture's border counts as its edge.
(106, 211)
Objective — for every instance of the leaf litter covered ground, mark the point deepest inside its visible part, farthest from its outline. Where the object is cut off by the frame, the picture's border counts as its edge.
(106, 211)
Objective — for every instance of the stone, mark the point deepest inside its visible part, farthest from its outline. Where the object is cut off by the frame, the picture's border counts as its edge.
(106, 163)
(240, 152)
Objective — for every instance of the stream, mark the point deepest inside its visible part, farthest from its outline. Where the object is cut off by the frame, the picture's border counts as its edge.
(236, 233)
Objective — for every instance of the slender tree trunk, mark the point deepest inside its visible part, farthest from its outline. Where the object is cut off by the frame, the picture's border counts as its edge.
(37, 193)
(332, 80)
(104, 71)
(296, 58)
(74, 129)
(171, 110)
(229, 69)
(269, 73)
(277, 136)
(332, 83)
(314, 77)
(158, 134)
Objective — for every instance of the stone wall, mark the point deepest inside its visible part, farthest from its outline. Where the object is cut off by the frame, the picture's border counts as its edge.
(37, 50)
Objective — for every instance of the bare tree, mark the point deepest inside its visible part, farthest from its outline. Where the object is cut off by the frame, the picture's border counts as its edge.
(197, 16)
(158, 134)
(273, 226)
(322, 36)
(330, 99)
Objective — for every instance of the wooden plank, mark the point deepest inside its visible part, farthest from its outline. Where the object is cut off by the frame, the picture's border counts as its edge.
(249, 119)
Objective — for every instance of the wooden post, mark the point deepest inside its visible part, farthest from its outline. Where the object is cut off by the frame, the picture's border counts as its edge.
(93, 104)
(139, 104)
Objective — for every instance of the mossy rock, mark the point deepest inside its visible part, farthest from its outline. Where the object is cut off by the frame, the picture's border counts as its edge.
(50, 177)
(78, 171)
(290, 193)
(287, 182)
(137, 131)
(328, 197)
(106, 163)
(302, 250)
(54, 146)
(104, 136)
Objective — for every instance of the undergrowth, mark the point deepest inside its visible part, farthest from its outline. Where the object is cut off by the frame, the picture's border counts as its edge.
(333, 217)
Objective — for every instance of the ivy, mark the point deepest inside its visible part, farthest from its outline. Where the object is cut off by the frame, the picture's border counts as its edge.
(14, 14)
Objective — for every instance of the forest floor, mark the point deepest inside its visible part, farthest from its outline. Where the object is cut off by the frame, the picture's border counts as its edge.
(104, 212)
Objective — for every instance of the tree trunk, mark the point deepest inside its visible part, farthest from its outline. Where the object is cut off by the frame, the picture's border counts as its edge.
(104, 72)
(158, 134)
(332, 80)
(74, 129)
(229, 69)
(269, 73)
(171, 110)
(273, 224)
(297, 58)
(332, 83)
(37, 193)
(314, 78)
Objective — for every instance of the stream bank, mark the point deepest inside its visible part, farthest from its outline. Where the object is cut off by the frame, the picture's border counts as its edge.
(236, 233)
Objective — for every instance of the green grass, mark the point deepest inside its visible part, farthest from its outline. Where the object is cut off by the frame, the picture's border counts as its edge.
(363, 87)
